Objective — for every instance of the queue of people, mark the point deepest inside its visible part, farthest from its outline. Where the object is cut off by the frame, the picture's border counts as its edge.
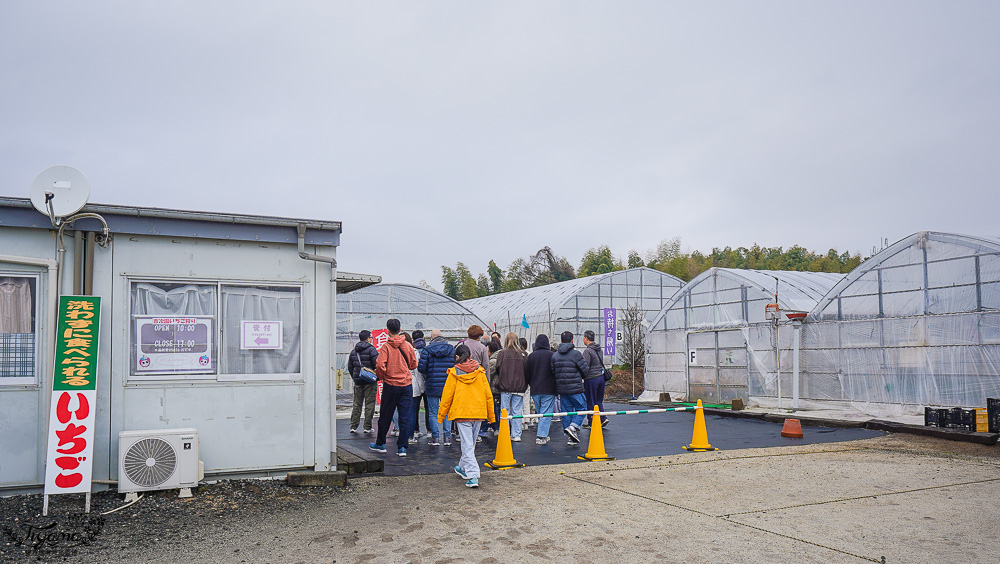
(465, 387)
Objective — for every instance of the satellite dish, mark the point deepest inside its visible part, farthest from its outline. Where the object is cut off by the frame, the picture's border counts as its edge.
(65, 187)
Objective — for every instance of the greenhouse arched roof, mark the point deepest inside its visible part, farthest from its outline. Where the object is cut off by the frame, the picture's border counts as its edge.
(542, 300)
(927, 260)
(411, 304)
(797, 290)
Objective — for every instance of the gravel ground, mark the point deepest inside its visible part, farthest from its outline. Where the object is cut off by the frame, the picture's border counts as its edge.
(907, 498)
(159, 518)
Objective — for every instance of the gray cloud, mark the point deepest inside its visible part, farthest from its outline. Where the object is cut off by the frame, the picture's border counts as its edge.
(488, 130)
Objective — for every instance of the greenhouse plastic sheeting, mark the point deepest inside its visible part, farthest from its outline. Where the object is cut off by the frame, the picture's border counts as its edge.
(917, 324)
(575, 305)
(712, 340)
(415, 307)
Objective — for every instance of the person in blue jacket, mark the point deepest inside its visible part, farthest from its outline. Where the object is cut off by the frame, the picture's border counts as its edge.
(435, 360)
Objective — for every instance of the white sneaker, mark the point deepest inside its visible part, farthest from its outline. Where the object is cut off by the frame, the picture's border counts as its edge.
(541, 440)
(354, 429)
(515, 439)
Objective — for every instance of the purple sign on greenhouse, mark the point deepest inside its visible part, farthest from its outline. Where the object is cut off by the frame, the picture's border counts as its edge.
(610, 327)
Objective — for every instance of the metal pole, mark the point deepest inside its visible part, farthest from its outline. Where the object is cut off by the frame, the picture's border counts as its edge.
(797, 326)
(777, 359)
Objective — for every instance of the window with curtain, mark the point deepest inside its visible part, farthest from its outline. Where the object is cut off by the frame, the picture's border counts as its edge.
(270, 305)
(172, 301)
(17, 329)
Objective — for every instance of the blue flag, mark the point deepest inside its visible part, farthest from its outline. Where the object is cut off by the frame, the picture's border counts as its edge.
(524, 321)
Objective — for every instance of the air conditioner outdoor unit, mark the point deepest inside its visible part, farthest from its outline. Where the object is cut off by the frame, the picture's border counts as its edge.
(160, 459)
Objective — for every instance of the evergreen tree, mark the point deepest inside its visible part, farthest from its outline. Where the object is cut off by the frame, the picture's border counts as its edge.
(495, 274)
(450, 282)
(635, 260)
(598, 261)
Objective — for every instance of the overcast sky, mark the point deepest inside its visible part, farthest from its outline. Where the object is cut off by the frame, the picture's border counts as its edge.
(463, 131)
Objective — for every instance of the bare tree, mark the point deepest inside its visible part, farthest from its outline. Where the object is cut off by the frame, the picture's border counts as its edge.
(632, 351)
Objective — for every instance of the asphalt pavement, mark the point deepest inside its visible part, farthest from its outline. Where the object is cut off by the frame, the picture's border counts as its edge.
(625, 437)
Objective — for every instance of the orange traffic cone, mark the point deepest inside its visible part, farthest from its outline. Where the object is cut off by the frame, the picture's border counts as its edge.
(792, 428)
(595, 449)
(505, 452)
(699, 436)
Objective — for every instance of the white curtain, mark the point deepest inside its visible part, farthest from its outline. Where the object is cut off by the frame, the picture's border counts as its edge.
(15, 305)
(241, 303)
(171, 299)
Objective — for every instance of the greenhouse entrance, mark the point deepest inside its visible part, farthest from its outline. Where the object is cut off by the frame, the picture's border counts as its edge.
(718, 371)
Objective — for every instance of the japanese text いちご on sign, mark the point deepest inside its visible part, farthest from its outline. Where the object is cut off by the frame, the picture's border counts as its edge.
(69, 462)
(260, 335)
(610, 326)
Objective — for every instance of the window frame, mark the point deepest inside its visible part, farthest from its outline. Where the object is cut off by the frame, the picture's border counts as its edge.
(289, 377)
(216, 376)
(28, 381)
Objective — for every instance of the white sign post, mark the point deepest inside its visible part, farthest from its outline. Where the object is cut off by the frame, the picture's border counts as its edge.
(70, 448)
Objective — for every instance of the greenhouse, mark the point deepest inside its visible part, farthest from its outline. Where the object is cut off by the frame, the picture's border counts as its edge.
(714, 342)
(415, 307)
(575, 305)
(917, 324)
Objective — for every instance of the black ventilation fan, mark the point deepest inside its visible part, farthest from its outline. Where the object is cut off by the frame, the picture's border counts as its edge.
(149, 462)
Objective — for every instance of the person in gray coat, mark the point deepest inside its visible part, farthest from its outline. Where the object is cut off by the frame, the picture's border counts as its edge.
(593, 382)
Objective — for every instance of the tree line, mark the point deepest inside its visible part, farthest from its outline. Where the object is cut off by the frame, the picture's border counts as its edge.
(546, 267)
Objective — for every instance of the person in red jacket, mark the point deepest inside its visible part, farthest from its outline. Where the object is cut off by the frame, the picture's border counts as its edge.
(395, 360)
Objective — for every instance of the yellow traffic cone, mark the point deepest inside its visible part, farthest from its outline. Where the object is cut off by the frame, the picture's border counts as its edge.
(699, 437)
(505, 452)
(595, 449)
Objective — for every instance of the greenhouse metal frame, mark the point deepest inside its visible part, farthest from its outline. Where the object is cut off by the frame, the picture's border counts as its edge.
(917, 324)
(415, 307)
(712, 341)
(575, 305)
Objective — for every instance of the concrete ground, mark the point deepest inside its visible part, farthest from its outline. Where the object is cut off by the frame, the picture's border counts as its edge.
(898, 497)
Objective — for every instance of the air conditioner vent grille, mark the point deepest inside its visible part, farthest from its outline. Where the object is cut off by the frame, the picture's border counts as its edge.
(149, 462)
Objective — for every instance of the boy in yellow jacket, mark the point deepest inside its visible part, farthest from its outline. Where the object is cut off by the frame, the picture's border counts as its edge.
(467, 400)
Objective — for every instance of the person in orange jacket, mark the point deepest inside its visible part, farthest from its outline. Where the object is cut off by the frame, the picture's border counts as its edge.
(395, 360)
(467, 401)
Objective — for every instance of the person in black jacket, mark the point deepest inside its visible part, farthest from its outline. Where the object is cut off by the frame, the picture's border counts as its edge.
(569, 370)
(542, 383)
(435, 360)
(364, 354)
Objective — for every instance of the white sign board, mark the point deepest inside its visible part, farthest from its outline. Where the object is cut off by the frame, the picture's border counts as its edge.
(619, 336)
(256, 335)
(693, 357)
(173, 345)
